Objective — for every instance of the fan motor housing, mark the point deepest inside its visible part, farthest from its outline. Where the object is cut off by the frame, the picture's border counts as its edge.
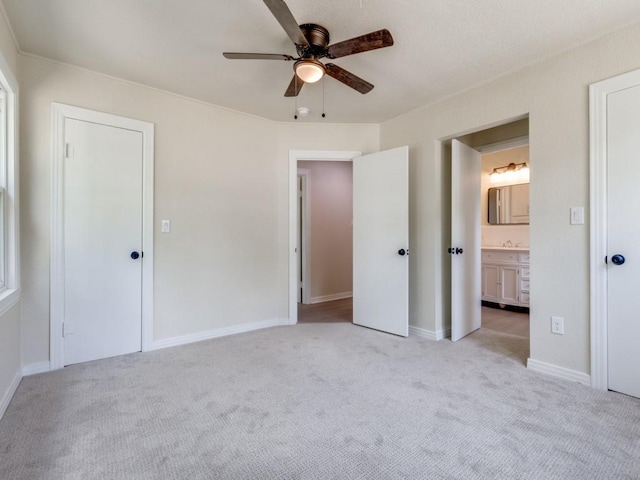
(317, 36)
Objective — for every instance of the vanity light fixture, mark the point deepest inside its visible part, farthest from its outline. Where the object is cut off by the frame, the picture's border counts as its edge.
(513, 173)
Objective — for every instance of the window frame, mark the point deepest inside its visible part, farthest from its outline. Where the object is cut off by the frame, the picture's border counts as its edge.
(9, 236)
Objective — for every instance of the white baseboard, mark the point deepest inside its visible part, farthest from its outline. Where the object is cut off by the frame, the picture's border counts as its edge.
(556, 371)
(36, 368)
(429, 334)
(330, 298)
(219, 332)
(8, 395)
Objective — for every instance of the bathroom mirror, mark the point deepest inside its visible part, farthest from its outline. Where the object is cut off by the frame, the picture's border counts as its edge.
(509, 205)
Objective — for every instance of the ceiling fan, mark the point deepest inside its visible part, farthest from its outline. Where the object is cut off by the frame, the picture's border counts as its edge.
(312, 44)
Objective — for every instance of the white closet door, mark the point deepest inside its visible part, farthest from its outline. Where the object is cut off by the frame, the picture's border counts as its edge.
(623, 212)
(102, 229)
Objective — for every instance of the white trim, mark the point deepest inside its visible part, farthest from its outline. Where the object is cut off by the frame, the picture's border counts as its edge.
(332, 297)
(294, 157)
(8, 298)
(8, 394)
(60, 112)
(11, 294)
(598, 94)
(556, 371)
(429, 334)
(504, 145)
(219, 332)
(35, 368)
(305, 247)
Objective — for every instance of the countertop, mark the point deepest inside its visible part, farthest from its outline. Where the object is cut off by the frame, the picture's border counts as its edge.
(510, 249)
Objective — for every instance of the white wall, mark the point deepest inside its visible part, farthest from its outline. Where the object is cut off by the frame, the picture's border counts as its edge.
(555, 95)
(330, 209)
(221, 177)
(10, 321)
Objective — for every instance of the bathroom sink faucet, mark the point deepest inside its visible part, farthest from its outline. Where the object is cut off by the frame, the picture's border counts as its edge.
(507, 244)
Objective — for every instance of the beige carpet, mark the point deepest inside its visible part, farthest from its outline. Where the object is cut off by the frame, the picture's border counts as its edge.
(318, 401)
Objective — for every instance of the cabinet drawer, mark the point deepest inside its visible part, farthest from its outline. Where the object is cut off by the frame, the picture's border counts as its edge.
(524, 273)
(524, 285)
(524, 297)
(524, 257)
(491, 256)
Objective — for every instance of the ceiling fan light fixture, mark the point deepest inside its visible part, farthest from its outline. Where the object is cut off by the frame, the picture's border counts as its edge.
(309, 70)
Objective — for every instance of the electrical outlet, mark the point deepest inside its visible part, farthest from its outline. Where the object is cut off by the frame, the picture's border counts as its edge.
(557, 325)
(166, 226)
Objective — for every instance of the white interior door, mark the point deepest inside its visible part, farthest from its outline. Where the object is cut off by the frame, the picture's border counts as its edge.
(623, 267)
(102, 228)
(466, 300)
(381, 241)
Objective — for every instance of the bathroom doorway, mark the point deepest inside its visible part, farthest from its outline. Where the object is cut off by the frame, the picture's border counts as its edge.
(490, 263)
(505, 258)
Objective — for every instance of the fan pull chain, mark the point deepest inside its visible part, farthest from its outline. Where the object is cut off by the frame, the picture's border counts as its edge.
(295, 97)
(323, 115)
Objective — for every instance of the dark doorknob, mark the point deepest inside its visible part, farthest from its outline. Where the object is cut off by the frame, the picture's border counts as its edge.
(458, 251)
(402, 252)
(135, 255)
(618, 259)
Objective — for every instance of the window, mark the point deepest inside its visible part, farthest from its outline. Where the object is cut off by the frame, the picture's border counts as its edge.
(3, 163)
(9, 272)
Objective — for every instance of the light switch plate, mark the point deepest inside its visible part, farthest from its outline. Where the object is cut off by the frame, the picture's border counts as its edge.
(577, 215)
(166, 226)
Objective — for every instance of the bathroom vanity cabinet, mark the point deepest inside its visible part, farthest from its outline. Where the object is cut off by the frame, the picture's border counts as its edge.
(505, 276)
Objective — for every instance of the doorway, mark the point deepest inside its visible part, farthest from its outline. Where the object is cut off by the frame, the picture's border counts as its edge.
(296, 156)
(102, 236)
(505, 259)
(380, 237)
(496, 267)
(325, 240)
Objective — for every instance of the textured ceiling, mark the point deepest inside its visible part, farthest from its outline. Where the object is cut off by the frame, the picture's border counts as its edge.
(441, 46)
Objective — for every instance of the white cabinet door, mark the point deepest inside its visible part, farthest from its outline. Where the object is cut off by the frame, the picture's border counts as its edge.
(381, 241)
(490, 283)
(508, 285)
(466, 296)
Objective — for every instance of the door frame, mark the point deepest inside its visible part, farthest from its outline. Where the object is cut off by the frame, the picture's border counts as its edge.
(598, 105)
(304, 217)
(294, 157)
(59, 113)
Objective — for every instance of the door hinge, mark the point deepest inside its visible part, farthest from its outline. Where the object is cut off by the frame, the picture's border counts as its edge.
(63, 330)
(68, 150)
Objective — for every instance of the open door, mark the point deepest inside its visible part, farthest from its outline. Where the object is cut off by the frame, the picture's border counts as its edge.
(381, 241)
(466, 293)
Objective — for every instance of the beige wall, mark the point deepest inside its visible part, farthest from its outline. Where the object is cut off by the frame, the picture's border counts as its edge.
(330, 209)
(221, 178)
(10, 321)
(555, 95)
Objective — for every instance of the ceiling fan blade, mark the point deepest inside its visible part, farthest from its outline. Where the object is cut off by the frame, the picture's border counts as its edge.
(364, 43)
(257, 56)
(284, 16)
(348, 78)
(294, 87)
